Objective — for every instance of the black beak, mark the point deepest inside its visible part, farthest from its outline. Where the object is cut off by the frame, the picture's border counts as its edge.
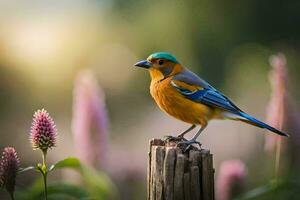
(143, 64)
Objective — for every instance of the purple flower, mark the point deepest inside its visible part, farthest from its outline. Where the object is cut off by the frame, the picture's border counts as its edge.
(43, 133)
(231, 180)
(9, 166)
(90, 121)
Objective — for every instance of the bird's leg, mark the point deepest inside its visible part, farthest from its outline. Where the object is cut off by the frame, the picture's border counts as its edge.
(189, 143)
(180, 136)
(199, 132)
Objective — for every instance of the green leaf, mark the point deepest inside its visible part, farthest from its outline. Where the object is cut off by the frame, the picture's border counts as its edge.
(99, 184)
(21, 170)
(271, 187)
(257, 192)
(55, 191)
(67, 190)
(66, 163)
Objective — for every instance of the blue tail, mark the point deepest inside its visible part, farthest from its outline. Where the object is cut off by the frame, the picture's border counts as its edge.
(255, 122)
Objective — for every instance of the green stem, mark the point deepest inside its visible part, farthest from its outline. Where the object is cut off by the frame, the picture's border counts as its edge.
(44, 154)
(44, 173)
(277, 157)
(45, 185)
(12, 196)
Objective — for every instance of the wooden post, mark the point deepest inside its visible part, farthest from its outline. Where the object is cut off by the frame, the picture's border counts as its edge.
(175, 175)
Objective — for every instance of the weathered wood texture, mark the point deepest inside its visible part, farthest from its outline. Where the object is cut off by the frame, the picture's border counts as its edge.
(175, 175)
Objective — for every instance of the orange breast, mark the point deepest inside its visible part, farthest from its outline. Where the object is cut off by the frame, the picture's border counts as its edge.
(172, 102)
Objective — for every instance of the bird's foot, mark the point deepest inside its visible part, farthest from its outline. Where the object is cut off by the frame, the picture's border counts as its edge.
(187, 144)
(170, 138)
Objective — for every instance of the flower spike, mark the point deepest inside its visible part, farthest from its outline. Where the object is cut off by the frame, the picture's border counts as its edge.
(43, 132)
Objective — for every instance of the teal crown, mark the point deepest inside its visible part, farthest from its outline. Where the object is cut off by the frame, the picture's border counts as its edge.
(164, 55)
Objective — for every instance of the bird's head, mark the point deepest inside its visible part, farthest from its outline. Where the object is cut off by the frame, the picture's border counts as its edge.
(160, 65)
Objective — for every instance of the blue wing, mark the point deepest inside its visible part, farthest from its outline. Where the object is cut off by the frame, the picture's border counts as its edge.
(207, 95)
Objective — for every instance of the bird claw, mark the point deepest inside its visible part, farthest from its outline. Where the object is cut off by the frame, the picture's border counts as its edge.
(188, 144)
(170, 138)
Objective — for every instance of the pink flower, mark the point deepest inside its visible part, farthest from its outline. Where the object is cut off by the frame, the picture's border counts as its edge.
(43, 132)
(90, 121)
(231, 179)
(277, 108)
(9, 166)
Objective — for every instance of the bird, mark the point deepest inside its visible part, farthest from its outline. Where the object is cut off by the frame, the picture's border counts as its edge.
(184, 95)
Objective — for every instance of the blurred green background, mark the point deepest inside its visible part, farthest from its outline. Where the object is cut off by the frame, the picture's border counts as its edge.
(44, 44)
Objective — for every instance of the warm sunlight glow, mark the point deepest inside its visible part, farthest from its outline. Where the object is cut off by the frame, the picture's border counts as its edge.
(35, 42)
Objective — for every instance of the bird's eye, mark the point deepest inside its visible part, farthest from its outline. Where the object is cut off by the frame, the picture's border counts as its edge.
(160, 62)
